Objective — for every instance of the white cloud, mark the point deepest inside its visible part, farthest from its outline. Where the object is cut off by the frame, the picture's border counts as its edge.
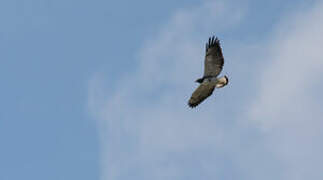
(286, 107)
(148, 132)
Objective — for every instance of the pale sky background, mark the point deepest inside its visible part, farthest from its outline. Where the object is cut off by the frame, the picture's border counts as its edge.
(99, 89)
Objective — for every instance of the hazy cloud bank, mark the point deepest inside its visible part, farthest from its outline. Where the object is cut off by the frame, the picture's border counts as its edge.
(259, 127)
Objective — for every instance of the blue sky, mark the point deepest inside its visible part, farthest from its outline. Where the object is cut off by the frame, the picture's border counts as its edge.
(98, 90)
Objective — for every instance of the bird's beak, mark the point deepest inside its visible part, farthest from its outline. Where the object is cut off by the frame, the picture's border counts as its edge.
(226, 79)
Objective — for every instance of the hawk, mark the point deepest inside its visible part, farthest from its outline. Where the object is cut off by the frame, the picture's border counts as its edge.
(213, 65)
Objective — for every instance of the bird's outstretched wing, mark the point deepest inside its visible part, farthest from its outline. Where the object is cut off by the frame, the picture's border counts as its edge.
(202, 92)
(214, 60)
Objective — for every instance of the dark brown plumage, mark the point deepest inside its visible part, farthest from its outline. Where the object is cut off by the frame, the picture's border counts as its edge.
(214, 60)
(213, 64)
(202, 92)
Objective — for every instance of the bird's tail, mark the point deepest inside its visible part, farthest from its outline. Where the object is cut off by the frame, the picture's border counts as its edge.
(200, 80)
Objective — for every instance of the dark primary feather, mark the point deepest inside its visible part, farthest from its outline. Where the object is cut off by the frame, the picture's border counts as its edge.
(202, 92)
(214, 60)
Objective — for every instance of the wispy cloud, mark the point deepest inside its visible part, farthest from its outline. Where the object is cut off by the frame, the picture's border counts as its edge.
(148, 132)
(288, 106)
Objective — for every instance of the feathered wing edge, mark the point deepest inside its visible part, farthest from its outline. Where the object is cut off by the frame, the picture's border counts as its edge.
(214, 42)
(200, 94)
(214, 61)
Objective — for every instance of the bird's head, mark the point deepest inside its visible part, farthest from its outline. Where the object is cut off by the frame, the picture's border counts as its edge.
(221, 82)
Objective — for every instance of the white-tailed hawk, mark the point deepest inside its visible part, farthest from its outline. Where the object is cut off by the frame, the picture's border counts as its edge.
(213, 65)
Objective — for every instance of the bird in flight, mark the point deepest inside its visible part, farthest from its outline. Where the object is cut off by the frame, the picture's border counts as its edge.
(213, 64)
